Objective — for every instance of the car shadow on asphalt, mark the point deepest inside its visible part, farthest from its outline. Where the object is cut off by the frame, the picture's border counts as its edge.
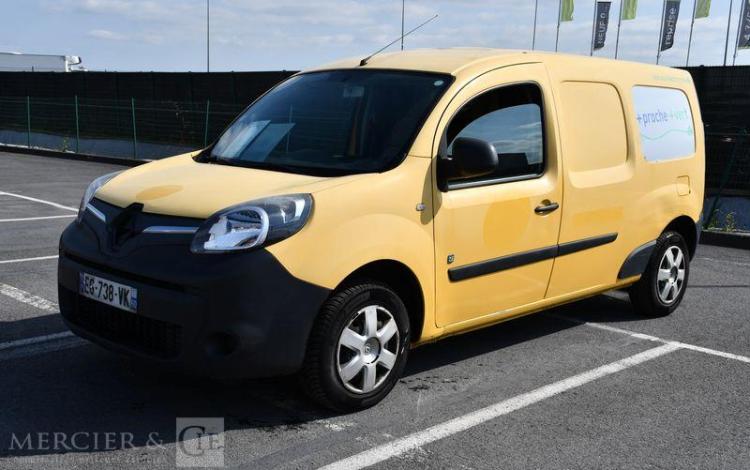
(87, 389)
(39, 325)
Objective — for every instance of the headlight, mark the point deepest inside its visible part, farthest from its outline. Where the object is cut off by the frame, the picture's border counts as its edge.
(91, 190)
(253, 224)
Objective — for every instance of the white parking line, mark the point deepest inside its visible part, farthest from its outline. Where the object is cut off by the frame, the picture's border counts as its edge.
(28, 298)
(23, 260)
(39, 345)
(656, 339)
(27, 219)
(462, 423)
(42, 201)
(35, 340)
(737, 263)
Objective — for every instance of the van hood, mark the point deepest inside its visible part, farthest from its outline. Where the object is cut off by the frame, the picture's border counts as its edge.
(183, 187)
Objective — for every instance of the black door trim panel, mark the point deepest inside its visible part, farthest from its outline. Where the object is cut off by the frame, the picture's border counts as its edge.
(502, 263)
(584, 244)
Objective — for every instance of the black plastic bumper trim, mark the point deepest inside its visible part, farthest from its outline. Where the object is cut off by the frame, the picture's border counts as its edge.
(248, 297)
(125, 275)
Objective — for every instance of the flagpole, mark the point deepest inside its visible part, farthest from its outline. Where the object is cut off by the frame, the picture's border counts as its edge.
(559, 16)
(403, 7)
(739, 31)
(533, 37)
(208, 36)
(661, 31)
(729, 25)
(690, 37)
(593, 30)
(619, 24)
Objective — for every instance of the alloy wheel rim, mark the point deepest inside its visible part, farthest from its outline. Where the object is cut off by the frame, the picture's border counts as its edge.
(367, 349)
(671, 275)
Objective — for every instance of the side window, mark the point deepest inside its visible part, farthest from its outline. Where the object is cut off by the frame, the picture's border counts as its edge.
(510, 118)
(665, 122)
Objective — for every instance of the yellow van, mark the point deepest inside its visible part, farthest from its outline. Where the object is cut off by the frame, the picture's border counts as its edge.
(365, 207)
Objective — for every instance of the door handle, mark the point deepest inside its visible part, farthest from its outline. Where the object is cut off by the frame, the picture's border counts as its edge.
(546, 207)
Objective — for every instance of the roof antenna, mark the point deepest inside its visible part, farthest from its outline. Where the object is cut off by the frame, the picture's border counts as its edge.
(363, 62)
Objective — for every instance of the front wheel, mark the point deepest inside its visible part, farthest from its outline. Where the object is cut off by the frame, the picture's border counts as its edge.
(358, 347)
(663, 284)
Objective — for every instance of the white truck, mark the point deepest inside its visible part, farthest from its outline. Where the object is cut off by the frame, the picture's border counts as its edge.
(18, 62)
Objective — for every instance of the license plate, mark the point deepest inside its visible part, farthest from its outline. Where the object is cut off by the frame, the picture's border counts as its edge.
(108, 292)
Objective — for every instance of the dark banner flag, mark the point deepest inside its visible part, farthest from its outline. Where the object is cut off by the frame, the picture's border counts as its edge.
(744, 34)
(601, 23)
(669, 25)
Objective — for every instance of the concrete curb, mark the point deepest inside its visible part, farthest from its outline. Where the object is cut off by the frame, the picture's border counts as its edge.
(726, 239)
(72, 155)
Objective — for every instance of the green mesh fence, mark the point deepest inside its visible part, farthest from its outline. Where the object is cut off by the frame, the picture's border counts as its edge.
(121, 128)
(728, 162)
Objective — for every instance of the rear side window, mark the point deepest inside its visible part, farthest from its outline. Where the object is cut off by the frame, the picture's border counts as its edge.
(665, 123)
(510, 118)
(594, 120)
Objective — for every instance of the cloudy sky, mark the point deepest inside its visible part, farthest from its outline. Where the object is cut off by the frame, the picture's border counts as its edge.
(170, 35)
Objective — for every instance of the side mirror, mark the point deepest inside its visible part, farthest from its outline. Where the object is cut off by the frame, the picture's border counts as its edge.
(471, 158)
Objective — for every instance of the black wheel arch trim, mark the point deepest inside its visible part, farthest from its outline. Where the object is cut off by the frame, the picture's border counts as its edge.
(637, 261)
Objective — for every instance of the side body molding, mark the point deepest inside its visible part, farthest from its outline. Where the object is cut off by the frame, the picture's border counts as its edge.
(469, 271)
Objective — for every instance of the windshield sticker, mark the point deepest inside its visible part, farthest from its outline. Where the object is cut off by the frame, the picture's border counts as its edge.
(236, 144)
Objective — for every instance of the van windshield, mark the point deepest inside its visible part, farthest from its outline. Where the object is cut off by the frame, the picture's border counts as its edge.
(332, 123)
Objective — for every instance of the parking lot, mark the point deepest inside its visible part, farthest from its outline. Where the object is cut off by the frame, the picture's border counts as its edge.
(587, 385)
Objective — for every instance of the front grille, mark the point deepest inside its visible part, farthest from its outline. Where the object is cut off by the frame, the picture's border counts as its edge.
(147, 335)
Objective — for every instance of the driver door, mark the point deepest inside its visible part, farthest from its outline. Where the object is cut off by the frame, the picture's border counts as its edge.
(496, 235)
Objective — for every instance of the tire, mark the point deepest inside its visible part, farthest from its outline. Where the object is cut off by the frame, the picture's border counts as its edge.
(350, 364)
(662, 286)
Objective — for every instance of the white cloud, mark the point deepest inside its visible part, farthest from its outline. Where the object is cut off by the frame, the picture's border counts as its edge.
(164, 11)
(107, 35)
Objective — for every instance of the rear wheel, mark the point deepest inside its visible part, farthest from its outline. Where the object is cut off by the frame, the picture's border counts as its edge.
(358, 347)
(662, 285)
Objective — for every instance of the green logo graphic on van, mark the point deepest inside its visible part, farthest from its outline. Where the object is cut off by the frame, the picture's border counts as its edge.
(688, 131)
(661, 118)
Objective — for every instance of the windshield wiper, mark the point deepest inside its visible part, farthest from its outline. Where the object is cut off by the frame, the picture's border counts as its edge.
(205, 156)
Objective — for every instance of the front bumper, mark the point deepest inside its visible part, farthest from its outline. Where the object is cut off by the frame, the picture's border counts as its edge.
(223, 315)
